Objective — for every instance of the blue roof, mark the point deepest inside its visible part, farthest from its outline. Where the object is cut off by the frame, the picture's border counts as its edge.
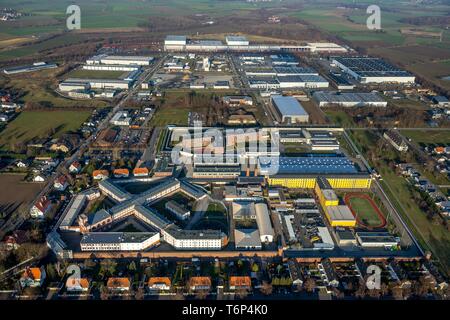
(307, 165)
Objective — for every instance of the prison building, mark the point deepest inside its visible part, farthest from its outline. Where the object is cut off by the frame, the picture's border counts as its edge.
(340, 216)
(325, 193)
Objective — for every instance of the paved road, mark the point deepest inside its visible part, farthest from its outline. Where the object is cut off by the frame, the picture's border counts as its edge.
(8, 226)
(382, 193)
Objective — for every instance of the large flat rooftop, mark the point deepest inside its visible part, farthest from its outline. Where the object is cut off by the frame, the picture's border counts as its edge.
(307, 165)
(289, 106)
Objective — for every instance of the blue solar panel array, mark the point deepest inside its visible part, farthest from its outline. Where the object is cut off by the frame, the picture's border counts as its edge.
(309, 165)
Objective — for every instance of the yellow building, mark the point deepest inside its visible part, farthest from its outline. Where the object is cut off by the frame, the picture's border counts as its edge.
(340, 216)
(325, 193)
(309, 182)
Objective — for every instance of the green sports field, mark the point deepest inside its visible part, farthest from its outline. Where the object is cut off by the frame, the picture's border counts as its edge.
(365, 212)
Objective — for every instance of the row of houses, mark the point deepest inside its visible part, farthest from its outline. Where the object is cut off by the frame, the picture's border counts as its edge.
(35, 277)
(120, 173)
(425, 185)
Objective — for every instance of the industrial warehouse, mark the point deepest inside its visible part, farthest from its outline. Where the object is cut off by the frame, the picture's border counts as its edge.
(86, 88)
(348, 99)
(289, 110)
(240, 43)
(372, 70)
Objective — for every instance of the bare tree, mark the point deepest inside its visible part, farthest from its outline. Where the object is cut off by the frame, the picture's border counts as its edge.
(266, 288)
(310, 285)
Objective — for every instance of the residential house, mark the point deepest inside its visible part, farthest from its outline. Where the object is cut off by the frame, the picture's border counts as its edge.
(61, 183)
(77, 285)
(295, 273)
(32, 277)
(75, 167)
(100, 174)
(40, 208)
(200, 284)
(121, 173)
(328, 273)
(159, 284)
(16, 239)
(118, 284)
(23, 163)
(140, 172)
(240, 283)
(39, 178)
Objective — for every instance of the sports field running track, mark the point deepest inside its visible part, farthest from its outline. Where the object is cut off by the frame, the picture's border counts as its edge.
(364, 196)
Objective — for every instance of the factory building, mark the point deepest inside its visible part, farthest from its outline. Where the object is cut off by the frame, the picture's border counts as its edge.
(325, 193)
(240, 43)
(340, 216)
(76, 205)
(372, 70)
(326, 47)
(37, 66)
(68, 86)
(121, 118)
(263, 83)
(307, 164)
(118, 241)
(236, 41)
(349, 99)
(303, 81)
(236, 101)
(266, 232)
(120, 60)
(101, 83)
(376, 239)
(289, 109)
(110, 67)
(308, 181)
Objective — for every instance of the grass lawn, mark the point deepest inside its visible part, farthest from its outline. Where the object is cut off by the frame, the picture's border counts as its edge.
(170, 115)
(340, 118)
(32, 124)
(434, 238)
(428, 136)
(214, 218)
(365, 212)
(38, 87)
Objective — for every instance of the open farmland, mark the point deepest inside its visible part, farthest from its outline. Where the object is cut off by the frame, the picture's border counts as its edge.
(16, 192)
(36, 124)
(39, 88)
(437, 137)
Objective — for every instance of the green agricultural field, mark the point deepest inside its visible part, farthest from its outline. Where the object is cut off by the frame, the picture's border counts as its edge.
(169, 115)
(40, 124)
(38, 87)
(436, 137)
